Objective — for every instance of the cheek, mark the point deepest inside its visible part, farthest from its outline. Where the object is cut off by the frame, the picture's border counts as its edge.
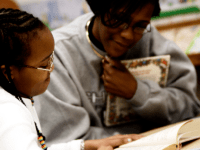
(110, 36)
(39, 85)
(107, 37)
(32, 84)
(39, 80)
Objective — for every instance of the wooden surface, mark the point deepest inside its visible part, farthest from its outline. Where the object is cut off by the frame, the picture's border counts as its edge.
(195, 58)
(178, 24)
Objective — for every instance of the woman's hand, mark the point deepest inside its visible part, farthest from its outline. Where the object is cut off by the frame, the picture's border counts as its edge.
(113, 141)
(117, 79)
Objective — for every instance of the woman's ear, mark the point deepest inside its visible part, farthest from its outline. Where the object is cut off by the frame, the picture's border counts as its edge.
(3, 69)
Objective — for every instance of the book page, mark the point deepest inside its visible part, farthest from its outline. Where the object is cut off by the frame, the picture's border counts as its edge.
(190, 130)
(150, 72)
(150, 68)
(189, 138)
(167, 136)
(155, 147)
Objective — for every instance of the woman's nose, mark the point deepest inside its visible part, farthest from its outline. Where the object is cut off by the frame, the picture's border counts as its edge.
(128, 34)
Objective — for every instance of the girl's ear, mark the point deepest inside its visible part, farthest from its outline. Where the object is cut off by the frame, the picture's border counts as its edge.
(11, 72)
(3, 69)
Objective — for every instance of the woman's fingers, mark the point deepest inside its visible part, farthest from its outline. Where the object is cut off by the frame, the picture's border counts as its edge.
(111, 63)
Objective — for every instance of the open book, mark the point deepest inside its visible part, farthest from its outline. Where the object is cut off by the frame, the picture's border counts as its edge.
(168, 139)
(155, 68)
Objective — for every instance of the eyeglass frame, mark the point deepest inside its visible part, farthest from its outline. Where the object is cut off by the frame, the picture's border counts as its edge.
(50, 62)
(125, 26)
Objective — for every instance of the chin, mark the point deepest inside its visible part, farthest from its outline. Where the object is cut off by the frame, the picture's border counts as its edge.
(38, 92)
(116, 54)
(43, 90)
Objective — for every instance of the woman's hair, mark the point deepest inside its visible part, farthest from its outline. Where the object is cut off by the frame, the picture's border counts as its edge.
(17, 29)
(119, 11)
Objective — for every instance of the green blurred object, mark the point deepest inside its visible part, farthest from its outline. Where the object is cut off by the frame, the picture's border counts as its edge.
(193, 44)
(48, 26)
(164, 14)
(170, 4)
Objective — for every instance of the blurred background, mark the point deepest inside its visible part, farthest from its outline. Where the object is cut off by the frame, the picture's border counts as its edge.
(54, 13)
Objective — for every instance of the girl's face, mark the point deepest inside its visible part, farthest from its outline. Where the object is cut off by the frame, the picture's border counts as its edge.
(117, 41)
(29, 81)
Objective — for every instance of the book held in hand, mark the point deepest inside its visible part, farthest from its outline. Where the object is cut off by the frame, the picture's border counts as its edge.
(118, 110)
(170, 138)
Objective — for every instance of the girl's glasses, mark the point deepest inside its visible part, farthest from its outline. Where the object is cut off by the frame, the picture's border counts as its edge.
(47, 68)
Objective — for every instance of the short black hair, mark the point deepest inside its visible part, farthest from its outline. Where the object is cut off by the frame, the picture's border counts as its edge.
(111, 9)
(17, 29)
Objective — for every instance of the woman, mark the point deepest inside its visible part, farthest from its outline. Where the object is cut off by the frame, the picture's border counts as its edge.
(27, 49)
(122, 30)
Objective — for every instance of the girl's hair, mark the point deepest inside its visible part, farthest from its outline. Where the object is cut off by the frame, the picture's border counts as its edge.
(17, 29)
(119, 11)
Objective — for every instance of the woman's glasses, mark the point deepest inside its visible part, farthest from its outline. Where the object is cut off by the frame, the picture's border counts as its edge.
(47, 68)
(139, 29)
(136, 29)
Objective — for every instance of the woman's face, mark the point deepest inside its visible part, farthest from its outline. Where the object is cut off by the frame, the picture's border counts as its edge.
(29, 81)
(117, 41)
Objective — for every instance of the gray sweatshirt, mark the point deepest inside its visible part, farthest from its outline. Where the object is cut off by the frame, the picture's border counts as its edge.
(72, 106)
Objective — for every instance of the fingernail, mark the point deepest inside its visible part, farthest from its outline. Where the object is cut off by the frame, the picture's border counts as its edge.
(129, 140)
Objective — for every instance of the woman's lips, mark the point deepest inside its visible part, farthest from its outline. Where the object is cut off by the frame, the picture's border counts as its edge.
(122, 45)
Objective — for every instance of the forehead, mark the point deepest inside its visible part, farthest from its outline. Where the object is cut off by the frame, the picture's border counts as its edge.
(143, 13)
(41, 46)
